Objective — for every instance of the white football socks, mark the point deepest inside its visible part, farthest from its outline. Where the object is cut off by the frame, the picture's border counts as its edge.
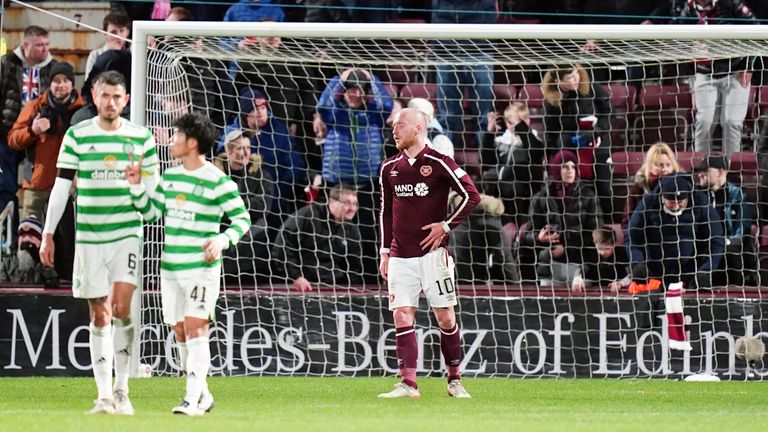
(198, 364)
(183, 355)
(123, 343)
(102, 356)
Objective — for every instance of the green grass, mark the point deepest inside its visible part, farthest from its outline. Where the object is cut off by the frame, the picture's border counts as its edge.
(350, 404)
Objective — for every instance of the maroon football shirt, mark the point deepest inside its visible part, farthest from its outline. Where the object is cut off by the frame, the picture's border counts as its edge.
(414, 193)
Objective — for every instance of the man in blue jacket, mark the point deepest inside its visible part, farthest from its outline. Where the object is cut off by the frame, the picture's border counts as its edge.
(675, 235)
(272, 141)
(354, 107)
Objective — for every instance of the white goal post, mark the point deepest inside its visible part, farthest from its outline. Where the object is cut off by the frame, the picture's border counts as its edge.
(512, 326)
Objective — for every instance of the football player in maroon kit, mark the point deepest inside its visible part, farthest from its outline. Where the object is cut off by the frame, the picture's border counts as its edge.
(415, 222)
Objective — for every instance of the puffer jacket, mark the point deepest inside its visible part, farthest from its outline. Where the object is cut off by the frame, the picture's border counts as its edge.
(11, 85)
(354, 147)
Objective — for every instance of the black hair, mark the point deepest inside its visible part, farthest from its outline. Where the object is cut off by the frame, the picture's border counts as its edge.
(117, 19)
(200, 127)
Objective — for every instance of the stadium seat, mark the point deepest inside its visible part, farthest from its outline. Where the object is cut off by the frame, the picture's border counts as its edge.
(626, 164)
(503, 95)
(399, 75)
(533, 97)
(392, 89)
(663, 114)
(423, 90)
(470, 161)
(688, 160)
(623, 100)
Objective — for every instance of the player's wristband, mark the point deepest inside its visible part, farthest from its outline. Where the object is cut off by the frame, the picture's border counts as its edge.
(445, 226)
(384, 251)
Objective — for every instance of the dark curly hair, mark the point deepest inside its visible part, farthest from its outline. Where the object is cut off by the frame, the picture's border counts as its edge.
(198, 126)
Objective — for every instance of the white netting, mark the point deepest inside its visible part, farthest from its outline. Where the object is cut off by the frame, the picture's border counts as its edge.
(514, 322)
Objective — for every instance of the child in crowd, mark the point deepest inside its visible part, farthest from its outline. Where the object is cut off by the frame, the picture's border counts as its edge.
(611, 268)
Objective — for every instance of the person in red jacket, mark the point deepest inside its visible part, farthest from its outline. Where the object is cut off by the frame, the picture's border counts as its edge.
(39, 130)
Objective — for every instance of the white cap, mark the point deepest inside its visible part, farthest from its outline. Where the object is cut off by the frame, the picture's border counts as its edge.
(424, 106)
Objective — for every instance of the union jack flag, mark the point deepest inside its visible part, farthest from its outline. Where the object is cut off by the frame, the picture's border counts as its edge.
(30, 87)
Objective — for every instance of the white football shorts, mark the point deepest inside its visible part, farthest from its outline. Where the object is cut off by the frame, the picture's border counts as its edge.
(191, 297)
(432, 273)
(97, 266)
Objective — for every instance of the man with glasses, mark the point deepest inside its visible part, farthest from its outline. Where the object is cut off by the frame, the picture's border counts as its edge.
(319, 245)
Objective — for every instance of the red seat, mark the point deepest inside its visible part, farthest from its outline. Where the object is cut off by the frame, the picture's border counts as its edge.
(470, 161)
(392, 89)
(663, 114)
(623, 100)
(626, 164)
(688, 160)
(503, 94)
(422, 90)
(399, 75)
(532, 96)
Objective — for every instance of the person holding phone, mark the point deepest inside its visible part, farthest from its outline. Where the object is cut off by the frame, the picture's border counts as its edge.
(563, 215)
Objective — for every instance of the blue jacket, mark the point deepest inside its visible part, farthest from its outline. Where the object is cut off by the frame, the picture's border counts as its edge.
(738, 212)
(254, 11)
(354, 146)
(674, 248)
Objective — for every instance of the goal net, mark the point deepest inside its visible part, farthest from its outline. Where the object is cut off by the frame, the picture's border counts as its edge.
(604, 95)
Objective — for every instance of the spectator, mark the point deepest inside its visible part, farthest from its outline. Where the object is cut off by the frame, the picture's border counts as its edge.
(736, 215)
(612, 267)
(39, 131)
(762, 159)
(118, 28)
(26, 74)
(290, 89)
(477, 77)
(577, 116)
(563, 215)
(179, 13)
(272, 141)
(512, 161)
(244, 168)
(727, 80)
(437, 138)
(390, 146)
(659, 161)
(254, 11)
(482, 252)
(320, 245)
(257, 190)
(675, 235)
(354, 11)
(354, 107)
(110, 60)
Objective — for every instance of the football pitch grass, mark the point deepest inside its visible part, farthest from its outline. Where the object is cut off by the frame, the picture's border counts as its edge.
(350, 404)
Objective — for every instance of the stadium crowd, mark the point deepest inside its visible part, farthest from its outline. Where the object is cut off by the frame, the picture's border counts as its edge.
(564, 185)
